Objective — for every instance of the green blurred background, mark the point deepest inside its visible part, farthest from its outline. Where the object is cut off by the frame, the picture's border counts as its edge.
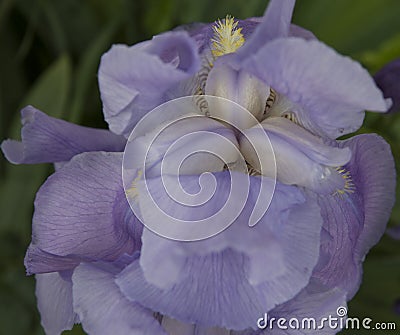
(49, 55)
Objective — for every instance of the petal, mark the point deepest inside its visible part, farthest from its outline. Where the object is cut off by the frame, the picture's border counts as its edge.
(134, 80)
(54, 296)
(237, 86)
(313, 146)
(38, 261)
(48, 140)
(193, 207)
(329, 91)
(314, 302)
(189, 145)
(336, 267)
(374, 173)
(275, 24)
(297, 31)
(249, 25)
(103, 310)
(300, 157)
(226, 280)
(356, 221)
(176, 49)
(82, 210)
(388, 79)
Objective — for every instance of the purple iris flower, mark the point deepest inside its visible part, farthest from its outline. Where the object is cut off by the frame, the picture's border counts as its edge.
(96, 264)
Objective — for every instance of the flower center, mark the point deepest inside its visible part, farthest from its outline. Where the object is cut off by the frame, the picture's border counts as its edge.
(220, 77)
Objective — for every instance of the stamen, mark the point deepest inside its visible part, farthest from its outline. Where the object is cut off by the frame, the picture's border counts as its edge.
(349, 186)
(227, 37)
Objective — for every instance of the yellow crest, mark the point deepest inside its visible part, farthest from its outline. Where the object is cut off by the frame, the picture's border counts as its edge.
(227, 37)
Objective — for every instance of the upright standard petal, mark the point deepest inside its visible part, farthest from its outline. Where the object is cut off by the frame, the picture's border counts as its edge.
(355, 221)
(102, 308)
(329, 92)
(48, 140)
(134, 80)
(81, 210)
(275, 24)
(54, 296)
(228, 279)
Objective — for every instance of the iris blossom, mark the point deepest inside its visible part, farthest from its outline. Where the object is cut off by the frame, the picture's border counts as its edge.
(96, 264)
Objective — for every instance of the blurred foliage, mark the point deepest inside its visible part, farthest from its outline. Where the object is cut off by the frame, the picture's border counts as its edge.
(49, 55)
